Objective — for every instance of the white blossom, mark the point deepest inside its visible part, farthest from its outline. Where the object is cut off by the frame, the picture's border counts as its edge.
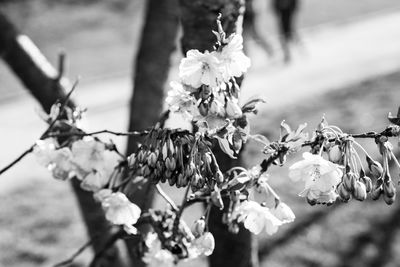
(255, 218)
(94, 181)
(233, 61)
(321, 177)
(119, 210)
(100, 177)
(200, 68)
(233, 109)
(283, 212)
(156, 256)
(44, 149)
(203, 245)
(88, 154)
(180, 100)
(102, 194)
(61, 164)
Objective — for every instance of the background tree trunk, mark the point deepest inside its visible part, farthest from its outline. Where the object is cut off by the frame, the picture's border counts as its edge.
(198, 18)
(44, 83)
(152, 66)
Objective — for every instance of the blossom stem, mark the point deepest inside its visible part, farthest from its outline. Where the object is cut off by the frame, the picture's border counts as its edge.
(358, 158)
(395, 159)
(272, 191)
(78, 252)
(336, 128)
(166, 198)
(363, 149)
(207, 215)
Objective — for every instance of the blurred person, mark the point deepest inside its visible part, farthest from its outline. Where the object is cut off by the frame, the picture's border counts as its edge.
(250, 29)
(285, 12)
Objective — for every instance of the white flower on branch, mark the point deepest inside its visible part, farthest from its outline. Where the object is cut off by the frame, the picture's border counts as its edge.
(61, 164)
(233, 109)
(200, 68)
(156, 256)
(88, 153)
(233, 61)
(44, 149)
(321, 178)
(256, 217)
(94, 181)
(180, 100)
(118, 209)
(202, 245)
(283, 212)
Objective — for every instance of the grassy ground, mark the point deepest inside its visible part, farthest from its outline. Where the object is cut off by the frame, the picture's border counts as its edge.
(40, 225)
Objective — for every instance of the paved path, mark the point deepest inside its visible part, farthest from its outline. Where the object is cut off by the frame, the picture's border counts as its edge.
(337, 56)
(334, 58)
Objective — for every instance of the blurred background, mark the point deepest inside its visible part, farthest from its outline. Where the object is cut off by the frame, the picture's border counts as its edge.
(345, 64)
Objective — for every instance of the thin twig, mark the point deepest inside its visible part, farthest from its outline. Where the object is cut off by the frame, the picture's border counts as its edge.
(30, 149)
(62, 107)
(64, 134)
(77, 253)
(110, 242)
(26, 152)
(167, 198)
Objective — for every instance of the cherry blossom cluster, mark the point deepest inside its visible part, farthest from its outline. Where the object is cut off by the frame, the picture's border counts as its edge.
(207, 95)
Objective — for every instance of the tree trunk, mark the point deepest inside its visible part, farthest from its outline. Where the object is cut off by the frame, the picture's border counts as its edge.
(44, 83)
(198, 18)
(152, 66)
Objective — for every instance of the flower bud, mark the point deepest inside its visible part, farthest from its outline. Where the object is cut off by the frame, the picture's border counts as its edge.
(368, 183)
(164, 151)
(132, 160)
(206, 243)
(170, 163)
(375, 167)
(198, 227)
(219, 177)
(322, 124)
(217, 199)
(167, 173)
(216, 108)
(389, 189)
(335, 154)
(376, 193)
(203, 109)
(343, 193)
(146, 171)
(180, 180)
(389, 200)
(205, 92)
(172, 180)
(152, 159)
(141, 157)
(311, 201)
(234, 228)
(237, 141)
(232, 109)
(190, 169)
(349, 180)
(360, 191)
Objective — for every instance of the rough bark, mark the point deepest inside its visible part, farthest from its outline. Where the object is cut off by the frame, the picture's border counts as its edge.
(151, 70)
(44, 83)
(198, 18)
